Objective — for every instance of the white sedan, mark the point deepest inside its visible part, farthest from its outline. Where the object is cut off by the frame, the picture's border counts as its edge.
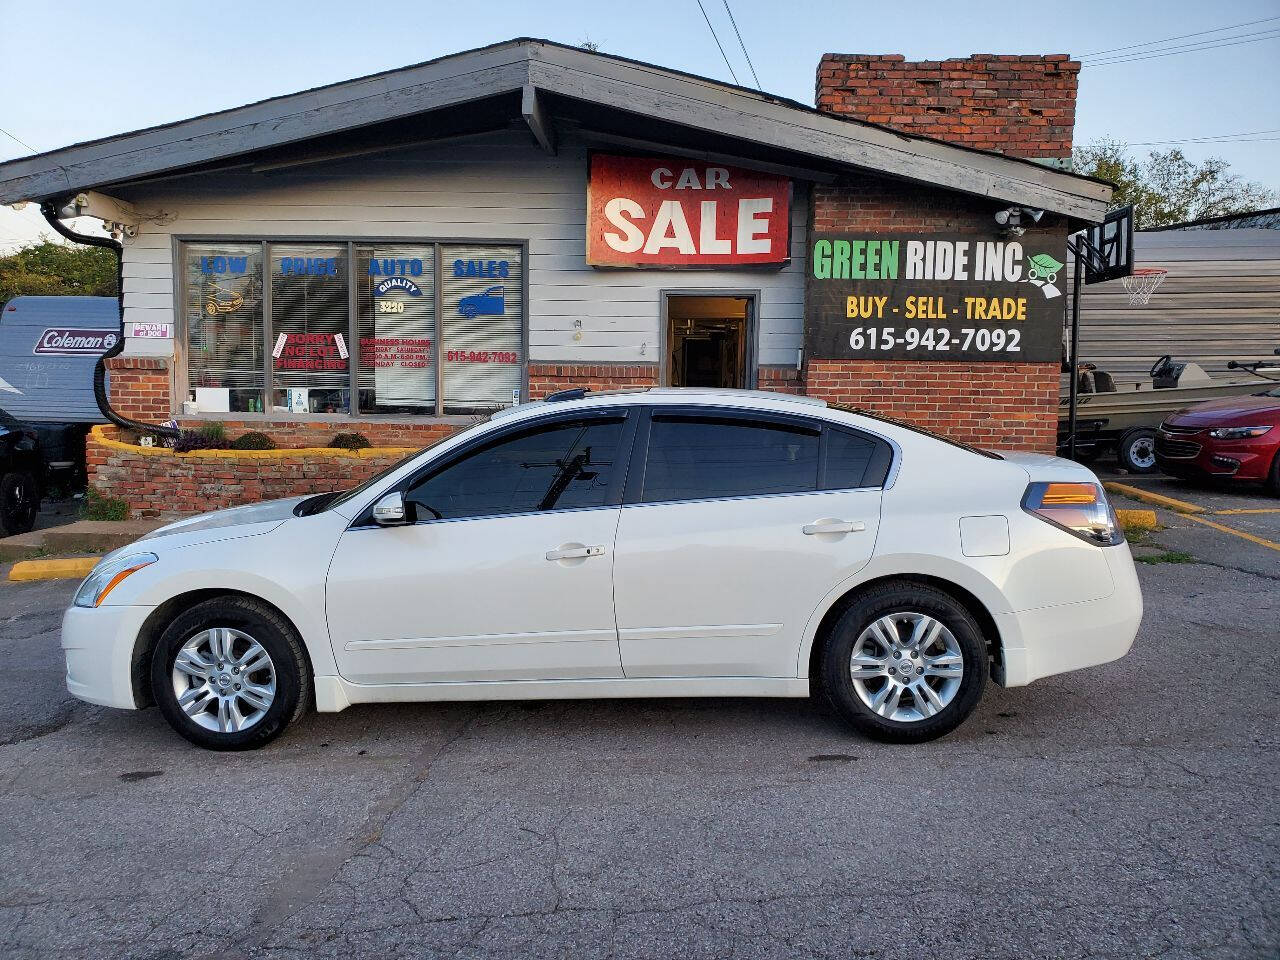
(661, 543)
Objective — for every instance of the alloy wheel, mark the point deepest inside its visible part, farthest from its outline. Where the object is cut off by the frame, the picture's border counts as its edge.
(224, 680)
(906, 666)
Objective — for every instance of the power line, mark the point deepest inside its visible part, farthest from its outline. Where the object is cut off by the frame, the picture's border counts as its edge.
(1203, 143)
(1215, 42)
(1175, 52)
(717, 40)
(17, 140)
(1200, 33)
(742, 45)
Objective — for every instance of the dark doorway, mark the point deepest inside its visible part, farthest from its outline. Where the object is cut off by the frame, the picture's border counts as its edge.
(708, 340)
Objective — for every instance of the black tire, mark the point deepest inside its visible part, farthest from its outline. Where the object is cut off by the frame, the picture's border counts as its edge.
(19, 502)
(1136, 450)
(1273, 478)
(903, 597)
(264, 625)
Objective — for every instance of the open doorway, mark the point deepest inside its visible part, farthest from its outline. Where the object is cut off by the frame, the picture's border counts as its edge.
(710, 340)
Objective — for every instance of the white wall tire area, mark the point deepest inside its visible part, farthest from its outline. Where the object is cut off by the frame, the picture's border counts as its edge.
(905, 663)
(230, 674)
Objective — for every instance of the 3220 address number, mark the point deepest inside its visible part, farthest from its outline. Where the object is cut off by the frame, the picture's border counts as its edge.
(938, 339)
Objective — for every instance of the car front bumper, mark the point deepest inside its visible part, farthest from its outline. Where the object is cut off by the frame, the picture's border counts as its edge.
(98, 643)
(1048, 640)
(1196, 456)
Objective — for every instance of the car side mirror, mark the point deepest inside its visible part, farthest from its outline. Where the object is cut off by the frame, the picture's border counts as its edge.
(392, 511)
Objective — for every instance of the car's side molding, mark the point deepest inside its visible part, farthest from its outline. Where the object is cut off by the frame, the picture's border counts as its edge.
(887, 567)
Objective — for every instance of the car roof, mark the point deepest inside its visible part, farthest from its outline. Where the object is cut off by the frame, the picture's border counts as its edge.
(697, 396)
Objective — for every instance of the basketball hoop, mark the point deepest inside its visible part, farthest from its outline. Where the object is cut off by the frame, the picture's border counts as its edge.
(1142, 283)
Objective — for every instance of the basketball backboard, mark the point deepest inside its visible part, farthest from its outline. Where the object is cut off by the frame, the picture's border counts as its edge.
(1109, 251)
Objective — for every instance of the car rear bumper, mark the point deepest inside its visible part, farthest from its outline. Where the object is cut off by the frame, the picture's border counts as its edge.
(1057, 639)
(98, 644)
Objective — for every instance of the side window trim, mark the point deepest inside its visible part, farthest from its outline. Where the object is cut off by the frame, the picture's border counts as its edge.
(640, 449)
(613, 498)
(885, 454)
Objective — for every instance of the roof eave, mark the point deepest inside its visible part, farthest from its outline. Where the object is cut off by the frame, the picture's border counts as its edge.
(625, 85)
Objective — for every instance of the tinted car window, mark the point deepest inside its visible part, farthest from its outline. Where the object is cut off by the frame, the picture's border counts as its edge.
(855, 460)
(695, 457)
(556, 467)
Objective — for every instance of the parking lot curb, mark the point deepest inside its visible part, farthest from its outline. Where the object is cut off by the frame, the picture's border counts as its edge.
(1137, 519)
(1159, 500)
(61, 569)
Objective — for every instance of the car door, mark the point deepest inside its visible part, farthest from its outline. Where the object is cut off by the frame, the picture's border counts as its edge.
(736, 525)
(506, 572)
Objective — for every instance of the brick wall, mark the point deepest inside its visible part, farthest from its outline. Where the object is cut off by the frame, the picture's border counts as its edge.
(140, 388)
(1020, 105)
(987, 404)
(545, 378)
(780, 380)
(1014, 406)
(162, 484)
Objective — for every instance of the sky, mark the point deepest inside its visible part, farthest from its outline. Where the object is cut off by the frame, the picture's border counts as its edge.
(75, 71)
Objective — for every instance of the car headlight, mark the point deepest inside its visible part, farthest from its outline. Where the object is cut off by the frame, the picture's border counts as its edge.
(107, 576)
(1078, 508)
(1238, 433)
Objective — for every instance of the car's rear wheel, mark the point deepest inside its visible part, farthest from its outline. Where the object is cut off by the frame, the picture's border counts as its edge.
(19, 502)
(230, 674)
(904, 663)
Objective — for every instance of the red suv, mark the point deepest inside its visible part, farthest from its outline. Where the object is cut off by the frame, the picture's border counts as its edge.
(1236, 438)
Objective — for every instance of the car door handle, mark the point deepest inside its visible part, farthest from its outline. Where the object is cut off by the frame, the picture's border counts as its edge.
(575, 552)
(831, 525)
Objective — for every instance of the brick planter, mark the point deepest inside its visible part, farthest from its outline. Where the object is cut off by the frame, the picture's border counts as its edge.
(157, 482)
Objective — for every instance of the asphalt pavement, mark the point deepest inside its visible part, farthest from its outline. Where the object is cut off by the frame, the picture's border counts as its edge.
(1124, 811)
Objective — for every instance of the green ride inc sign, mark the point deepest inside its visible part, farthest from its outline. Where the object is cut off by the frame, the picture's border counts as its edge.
(913, 296)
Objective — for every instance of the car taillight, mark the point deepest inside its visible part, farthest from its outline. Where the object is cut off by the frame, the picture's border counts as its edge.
(1078, 508)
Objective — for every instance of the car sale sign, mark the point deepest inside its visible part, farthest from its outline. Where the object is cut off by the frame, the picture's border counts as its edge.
(676, 212)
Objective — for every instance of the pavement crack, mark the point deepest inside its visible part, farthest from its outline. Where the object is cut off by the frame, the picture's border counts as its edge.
(309, 874)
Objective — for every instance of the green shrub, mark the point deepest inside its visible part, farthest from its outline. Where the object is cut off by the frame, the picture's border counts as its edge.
(214, 430)
(98, 506)
(350, 441)
(253, 440)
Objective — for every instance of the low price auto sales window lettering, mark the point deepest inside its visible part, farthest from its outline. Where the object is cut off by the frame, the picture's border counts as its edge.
(915, 296)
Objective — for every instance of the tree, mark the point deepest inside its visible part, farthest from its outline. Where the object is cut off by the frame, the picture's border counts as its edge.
(48, 269)
(1168, 188)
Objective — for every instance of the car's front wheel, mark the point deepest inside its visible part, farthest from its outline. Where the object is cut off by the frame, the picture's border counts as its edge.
(230, 674)
(904, 663)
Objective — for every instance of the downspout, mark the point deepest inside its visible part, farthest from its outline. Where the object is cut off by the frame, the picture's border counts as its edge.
(50, 212)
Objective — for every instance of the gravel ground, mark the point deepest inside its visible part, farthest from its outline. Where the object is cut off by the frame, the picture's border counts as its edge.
(1125, 811)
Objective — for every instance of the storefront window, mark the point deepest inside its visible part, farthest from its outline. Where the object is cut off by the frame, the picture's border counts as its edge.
(482, 344)
(431, 328)
(396, 306)
(310, 324)
(222, 308)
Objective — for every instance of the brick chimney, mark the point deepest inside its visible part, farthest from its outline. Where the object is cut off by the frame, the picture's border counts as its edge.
(1024, 106)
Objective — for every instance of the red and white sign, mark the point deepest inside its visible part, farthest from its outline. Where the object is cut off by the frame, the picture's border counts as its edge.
(151, 331)
(674, 212)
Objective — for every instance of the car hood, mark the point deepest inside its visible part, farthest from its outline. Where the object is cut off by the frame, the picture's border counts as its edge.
(251, 519)
(1226, 410)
